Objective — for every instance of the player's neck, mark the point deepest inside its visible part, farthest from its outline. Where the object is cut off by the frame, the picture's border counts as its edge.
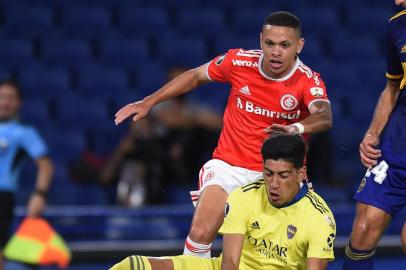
(267, 73)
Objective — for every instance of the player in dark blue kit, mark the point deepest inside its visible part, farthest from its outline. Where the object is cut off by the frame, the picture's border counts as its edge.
(382, 192)
(18, 141)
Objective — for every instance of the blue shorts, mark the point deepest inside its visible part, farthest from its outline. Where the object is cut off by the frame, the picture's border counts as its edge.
(383, 187)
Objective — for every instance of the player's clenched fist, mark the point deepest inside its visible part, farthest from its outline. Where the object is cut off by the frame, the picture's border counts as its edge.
(368, 152)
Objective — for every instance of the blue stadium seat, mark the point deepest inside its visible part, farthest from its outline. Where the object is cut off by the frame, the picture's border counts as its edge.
(312, 51)
(86, 22)
(368, 18)
(353, 48)
(15, 53)
(143, 22)
(82, 114)
(28, 21)
(223, 42)
(102, 81)
(249, 20)
(44, 82)
(105, 140)
(125, 97)
(373, 73)
(77, 194)
(318, 20)
(200, 21)
(66, 145)
(188, 52)
(150, 77)
(66, 53)
(127, 53)
(35, 112)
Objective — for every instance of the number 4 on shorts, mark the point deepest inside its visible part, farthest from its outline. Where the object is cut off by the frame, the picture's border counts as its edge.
(379, 171)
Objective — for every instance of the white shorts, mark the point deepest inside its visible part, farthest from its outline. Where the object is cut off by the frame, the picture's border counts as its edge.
(220, 173)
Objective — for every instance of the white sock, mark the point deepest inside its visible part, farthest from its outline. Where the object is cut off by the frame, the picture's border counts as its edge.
(196, 249)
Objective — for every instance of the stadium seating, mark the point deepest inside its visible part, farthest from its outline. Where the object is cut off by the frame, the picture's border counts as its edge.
(16, 53)
(200, 21)
(28, 22)
(86, 22)
(44, 82)
(71, 53)
(127, 53)
(143, 22)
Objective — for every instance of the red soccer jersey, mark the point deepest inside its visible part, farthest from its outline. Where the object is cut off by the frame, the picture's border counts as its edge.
(257, 101)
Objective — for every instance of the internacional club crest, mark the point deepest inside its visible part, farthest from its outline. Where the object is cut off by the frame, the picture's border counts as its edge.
(291, 231)
(288, 102)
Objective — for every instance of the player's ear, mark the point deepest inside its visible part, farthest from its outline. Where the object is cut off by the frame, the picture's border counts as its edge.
(300, 45)
(302, 174)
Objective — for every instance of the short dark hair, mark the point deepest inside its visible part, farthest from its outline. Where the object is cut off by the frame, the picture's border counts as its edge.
(14, 84)
(288, 147)
(284, 18)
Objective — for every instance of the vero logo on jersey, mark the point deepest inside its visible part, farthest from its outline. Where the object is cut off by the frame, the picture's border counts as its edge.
(244, 63)
(245, 90)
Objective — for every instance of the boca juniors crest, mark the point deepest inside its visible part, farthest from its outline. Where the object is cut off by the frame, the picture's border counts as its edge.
(291, 231)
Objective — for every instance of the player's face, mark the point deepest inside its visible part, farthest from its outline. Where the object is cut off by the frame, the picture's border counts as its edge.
(400, 3)
(9, 102)
(282, 181)
(280, 45)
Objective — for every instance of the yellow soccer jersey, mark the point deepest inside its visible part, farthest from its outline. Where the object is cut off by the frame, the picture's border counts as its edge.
(279, 238)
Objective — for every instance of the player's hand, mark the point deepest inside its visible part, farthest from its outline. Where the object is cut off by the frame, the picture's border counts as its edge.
(36, 205)
(368, 152)
(277, 128)
(139, 109)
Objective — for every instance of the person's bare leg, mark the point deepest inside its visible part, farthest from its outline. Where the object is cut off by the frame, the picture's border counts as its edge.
(369, 224)
(403, 238)
(207, 220)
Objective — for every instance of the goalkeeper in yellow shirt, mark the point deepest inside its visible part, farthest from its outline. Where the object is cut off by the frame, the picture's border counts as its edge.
(275, 223)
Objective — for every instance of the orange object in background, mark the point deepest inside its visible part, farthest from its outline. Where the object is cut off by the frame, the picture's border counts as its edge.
(36, 242)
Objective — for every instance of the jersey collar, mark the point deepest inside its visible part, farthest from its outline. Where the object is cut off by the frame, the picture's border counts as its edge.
(287, 76)
(302, 192)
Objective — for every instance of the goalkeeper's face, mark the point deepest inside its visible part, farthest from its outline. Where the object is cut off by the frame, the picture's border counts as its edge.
(9, 102)
(282, 181)
(280, 46)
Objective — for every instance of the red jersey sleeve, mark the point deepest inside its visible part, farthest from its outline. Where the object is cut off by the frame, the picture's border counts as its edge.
(314, 89)
(219, 68)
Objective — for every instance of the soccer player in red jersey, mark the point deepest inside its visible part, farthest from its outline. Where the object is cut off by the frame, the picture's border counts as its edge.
(271, 91)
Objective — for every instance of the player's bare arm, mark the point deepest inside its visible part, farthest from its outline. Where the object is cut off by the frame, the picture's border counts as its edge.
(368, 152)
(184, 83)
(316, 264)
(320, 119)
(37, 201)
(232, 246)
